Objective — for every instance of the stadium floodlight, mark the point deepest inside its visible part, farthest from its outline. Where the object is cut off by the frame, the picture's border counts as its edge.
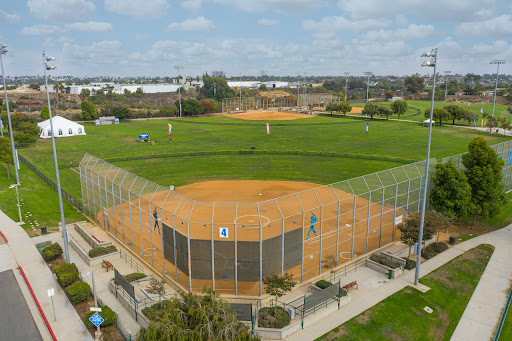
(46, 67)
(431, 63)
(3, 49)
(240, 105)
(446, 83)
(179, 84)
(346, 82)
(497, 62)
(368, 74)
(49, 58)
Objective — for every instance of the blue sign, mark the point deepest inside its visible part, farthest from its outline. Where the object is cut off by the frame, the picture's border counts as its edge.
(143, 136)
(96, 319)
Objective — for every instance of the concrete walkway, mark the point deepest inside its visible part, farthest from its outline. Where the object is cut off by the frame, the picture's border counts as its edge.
(482, 313)
(20, 251)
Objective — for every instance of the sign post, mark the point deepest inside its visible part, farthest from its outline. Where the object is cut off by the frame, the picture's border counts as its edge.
(97, 320)
(51, 293)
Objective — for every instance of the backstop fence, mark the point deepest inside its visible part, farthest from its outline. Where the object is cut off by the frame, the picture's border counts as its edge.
(252, 103)
(232, 246)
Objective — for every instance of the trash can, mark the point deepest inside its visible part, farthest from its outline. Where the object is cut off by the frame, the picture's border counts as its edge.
(452, 240)
(43, 229)
(390, 274)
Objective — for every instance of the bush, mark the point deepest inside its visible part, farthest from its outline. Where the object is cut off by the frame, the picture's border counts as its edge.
(51, 252)
(66, 274)
(439, 247)
(343, 292)
(101, 251)
(270, 317)
(107, 313)
(135, 276)
(322, 284)
(433, 249)
(384, 261)
(78, 292)
(156, 310)
(409, 264)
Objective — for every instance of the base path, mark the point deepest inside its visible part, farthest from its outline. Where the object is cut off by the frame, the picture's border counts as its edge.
(270, 115)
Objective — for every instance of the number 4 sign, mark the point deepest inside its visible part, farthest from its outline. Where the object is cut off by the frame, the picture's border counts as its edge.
(223, 232)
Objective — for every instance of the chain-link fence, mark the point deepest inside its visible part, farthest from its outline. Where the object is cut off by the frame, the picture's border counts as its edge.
(231, 247)
(319, 101)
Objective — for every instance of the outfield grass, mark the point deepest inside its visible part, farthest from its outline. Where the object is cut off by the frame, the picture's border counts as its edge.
(386, 138)
(401, 315)
(38, 198)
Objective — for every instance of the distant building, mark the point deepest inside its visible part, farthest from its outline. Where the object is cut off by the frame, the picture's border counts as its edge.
(218, 74)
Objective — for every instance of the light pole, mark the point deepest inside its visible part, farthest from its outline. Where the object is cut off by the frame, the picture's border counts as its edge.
(17, 197)
(305, 84)
(446, 82)
(3, 50)
(48, 67)
(498, 62)
(298, 90)
(368, 74)
(179, 84)
(240, 106)
(346, 82)
(431, 63)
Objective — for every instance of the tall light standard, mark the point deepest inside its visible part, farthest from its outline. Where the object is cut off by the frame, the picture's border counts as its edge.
(346, 82)
(240, 105)
(431, 63)
(48, 67)
(368, 74)
(305, 85)
(298, 89)
(498, 62)
(446, 82)
(179, 84)
(3, 50)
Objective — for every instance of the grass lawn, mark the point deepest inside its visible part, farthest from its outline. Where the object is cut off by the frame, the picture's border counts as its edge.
(338, 134)
(37, 198)
(401, 315)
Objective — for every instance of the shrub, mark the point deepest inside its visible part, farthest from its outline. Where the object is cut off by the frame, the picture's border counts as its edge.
(322, 284)
(135, 276)
(156, 310)
(439, 247)
(433, 249)
(78, 292)
(66, 274)
(409, 264)
(273, 317)
(343, 292)
(428, 253)
(101, 251)
(384, 261)
(107, 313)
(51, 252)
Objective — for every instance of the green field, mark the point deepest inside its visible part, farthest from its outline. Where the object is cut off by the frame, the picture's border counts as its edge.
(401, 315)
(322, 133)
(506, 331)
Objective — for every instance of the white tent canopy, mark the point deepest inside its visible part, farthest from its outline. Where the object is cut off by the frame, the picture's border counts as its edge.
(427, 122)
(62, 128)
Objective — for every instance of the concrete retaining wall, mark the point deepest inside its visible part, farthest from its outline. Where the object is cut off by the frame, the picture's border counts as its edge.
(96, 260)
(384, 269)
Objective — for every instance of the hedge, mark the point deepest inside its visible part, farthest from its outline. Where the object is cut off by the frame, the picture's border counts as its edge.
(135, 276)
(51, 252)
(270, 317)
(101, 251)
(66, 274)
(433, 249)
(78, 292)
(107, 313)
(409, 264)
(384, 261)
(322, 284)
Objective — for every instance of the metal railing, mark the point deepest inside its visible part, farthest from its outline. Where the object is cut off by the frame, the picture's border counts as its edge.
(130, 261)
(75, 202)
(337, 274)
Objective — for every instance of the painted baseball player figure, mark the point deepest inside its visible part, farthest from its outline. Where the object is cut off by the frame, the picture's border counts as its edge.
(312, 227)
(156, 222)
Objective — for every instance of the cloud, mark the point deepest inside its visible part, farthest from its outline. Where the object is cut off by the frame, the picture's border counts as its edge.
(268, 22)
(61, 10)
(385, 49)
(401, 20)
(98, 53)
(138, 9)
(91, 26)
(280, 6)
(330, 26)
(438, 10)
(41, 30)
(199, 24)
(496, 27)
(192, 5)
(8, 18)
(413, 31)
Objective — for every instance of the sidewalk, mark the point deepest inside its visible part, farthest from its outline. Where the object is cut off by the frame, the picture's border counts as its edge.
(492, 291)
(20, 251)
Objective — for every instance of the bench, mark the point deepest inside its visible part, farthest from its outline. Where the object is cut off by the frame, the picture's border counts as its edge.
(350, 285)
(107, 264)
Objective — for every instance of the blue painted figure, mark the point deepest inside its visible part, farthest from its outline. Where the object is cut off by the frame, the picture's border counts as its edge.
(312, 227)
(156, 221)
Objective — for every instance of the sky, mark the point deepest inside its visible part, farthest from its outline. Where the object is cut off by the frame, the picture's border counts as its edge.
(274, 37)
